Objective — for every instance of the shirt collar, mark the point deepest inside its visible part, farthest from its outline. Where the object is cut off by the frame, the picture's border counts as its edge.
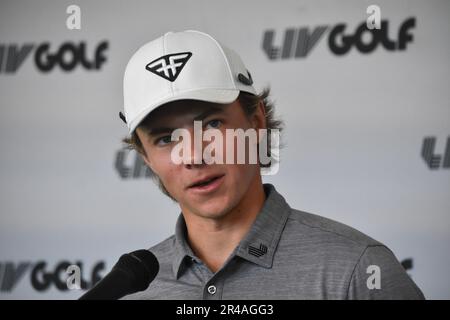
(260, 243)
(182, 248)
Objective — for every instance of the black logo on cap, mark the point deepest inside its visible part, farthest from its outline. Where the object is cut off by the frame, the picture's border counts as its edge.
(257, 252)
(169, 66)
(245, 80)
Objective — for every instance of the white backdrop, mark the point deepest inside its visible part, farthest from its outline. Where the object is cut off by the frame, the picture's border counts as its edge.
(356, 125)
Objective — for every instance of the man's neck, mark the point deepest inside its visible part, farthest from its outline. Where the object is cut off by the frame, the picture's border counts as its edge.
(213, 240)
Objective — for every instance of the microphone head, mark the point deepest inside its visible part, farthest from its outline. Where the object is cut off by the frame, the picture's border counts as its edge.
(141, 266)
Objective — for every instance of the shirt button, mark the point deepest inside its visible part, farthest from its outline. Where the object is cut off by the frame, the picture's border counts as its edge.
(212, 289)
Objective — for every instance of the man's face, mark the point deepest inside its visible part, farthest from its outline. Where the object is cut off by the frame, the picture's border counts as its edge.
(231, 182)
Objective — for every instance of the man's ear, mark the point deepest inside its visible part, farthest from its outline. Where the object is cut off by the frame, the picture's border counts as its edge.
(141, 135)
(146, 160)
(259, 117)
(259, 120)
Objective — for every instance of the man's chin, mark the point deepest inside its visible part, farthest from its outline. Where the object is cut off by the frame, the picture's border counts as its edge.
(210, 210)
(215, 207)
(213, 213)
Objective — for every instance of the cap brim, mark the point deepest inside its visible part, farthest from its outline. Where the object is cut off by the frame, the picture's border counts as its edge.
(209, 95)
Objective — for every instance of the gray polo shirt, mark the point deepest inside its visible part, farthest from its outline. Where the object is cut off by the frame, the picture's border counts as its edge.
(287, 254)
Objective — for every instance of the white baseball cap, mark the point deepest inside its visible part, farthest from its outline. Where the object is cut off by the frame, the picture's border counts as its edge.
(181, 65)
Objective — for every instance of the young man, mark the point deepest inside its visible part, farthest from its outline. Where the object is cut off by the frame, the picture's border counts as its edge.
(236, 238)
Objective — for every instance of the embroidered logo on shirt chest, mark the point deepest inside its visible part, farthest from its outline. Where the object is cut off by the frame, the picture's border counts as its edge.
(257, 252)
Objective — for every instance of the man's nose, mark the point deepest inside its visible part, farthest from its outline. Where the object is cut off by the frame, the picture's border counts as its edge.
(197, 146)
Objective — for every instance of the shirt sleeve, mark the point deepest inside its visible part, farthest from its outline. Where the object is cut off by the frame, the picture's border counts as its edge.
(379, 276)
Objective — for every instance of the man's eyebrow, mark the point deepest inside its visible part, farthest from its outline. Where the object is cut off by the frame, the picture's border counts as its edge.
(211, 110)
(159, 130)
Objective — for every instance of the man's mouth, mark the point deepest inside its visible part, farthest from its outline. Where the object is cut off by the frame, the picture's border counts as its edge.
(204, 182)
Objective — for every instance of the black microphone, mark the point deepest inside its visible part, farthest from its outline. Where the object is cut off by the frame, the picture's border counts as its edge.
(132, 273)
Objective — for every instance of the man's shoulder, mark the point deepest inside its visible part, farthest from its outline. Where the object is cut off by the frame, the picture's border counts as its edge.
(319, 226)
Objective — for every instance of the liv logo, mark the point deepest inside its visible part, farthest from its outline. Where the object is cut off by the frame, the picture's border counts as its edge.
(129, 165)
(41, 277)
(67, 56)
(303, 38)
(11, 273)
(298, 43)
(435, 161)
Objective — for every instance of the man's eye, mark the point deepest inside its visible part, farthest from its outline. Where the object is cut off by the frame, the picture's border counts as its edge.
(163, 140)
(213, 124)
